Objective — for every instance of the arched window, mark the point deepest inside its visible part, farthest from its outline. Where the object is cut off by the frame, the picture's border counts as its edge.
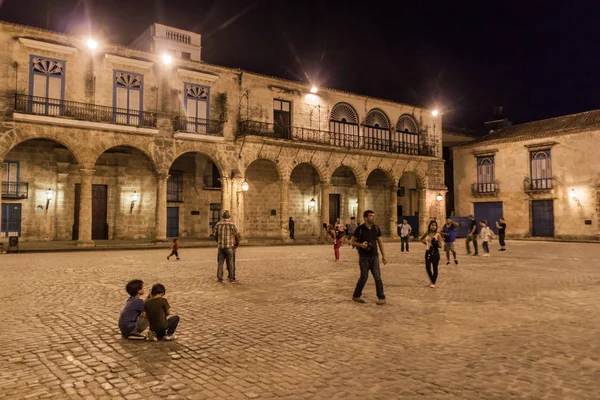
(406, 137)
(343, 126)
(377, 131)
(541, 169)
(485, 174)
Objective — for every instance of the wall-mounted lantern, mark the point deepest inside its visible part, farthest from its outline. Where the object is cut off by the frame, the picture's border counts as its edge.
(573, 195)
(311, 205)
(439, 197)
(134, 198)
(245, 186)
(49, 196)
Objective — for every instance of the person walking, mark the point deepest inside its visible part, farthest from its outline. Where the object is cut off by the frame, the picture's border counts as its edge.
(432, 241)
(226, 235)
(332, 237)
(367, 237)
(405, 231)
(449, 235)
(291, 225)
(486, 237)
(501, 233)
(351, 229)
(472, 236)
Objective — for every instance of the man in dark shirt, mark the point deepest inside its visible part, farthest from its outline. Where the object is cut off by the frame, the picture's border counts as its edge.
(366, 239)
(501, 233)
(291, 225)
(472, 236)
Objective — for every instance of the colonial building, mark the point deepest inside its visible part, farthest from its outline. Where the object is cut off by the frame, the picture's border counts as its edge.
(540, 176)
(100, 141)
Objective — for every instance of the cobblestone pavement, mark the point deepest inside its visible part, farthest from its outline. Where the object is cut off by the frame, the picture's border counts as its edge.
(523, 324)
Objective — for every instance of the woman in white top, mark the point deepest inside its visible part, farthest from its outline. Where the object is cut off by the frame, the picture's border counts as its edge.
(433, 242)
(486, 236)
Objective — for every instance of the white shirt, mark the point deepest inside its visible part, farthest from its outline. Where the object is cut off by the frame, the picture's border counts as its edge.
(486, 233)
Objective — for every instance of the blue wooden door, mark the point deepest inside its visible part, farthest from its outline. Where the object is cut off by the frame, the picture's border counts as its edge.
(413, 221)
(11, 220)
(491, 212)
(172, 222)
(542, 217)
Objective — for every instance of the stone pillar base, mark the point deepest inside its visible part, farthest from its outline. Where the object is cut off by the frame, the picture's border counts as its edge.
(84, 243)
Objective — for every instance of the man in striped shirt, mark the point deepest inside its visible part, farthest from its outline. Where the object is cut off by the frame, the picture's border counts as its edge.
(227, 237)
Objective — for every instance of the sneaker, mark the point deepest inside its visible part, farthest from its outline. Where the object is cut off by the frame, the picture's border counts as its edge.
(234, 281)
(150, 336)
(407, 251)
(358, 300)
(401, 252)
(456, 262)
(432, 286)
(502, 249)
(486, 255)
(170, 337)
(380, 302)
(448, 263)
(167, 258)
(476, 254)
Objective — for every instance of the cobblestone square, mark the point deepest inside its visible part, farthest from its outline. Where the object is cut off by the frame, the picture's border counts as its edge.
(523, 324)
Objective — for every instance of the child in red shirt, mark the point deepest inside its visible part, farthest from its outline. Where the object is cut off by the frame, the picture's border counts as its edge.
(174, 250)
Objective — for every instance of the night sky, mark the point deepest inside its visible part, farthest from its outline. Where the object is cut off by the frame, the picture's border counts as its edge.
(538, 59)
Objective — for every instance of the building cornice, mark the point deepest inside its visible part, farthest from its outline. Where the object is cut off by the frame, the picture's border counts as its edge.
(483, 153)
(538, 146)
(200, 75)
(41, 45)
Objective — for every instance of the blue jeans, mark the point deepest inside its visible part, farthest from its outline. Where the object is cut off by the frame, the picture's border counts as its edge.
(369, 264)
(226, 254)
(404, 240)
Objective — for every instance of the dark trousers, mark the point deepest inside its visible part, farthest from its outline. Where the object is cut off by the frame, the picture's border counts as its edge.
(472, 238)
(369, 264)
(291, 233)
(486, 247)
(403, 240)
(172, 323)
(431, 265)
(501, 240)
(173, 253)
(225, 254)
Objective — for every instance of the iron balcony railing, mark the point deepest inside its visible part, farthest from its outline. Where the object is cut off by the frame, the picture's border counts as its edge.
(538, 184)
(15, 190)
(485, 189)
(338, 139)
(83, 111)
(198, 125)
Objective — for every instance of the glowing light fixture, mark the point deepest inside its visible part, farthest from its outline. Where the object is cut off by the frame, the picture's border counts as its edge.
(245, 186)
(134, 198)
(435, 113)
(314, 89)
(572, 194)
(439, 197)
(92, 44)
(167, 59)
(49, 196)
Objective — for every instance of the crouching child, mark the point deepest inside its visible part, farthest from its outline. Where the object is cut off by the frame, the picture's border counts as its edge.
(133, 321)
(162, 326)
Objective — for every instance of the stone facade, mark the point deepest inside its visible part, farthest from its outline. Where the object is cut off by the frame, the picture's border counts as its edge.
(73, 147)
(574, 180)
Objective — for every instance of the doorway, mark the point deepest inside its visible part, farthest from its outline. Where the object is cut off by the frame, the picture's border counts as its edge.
(11, 220)
(334, 208)
(99, 212)
(172, 222)
(490, 211)
(542, 218)
(215, 217)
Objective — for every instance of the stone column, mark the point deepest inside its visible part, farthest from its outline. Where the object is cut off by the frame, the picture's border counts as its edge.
(284, 211)
(237, 206)
(160, 234)
(85, 208)
(393, 211)
(226, 194)
(60, 215)
(360, 209)
(423, 211)
(325, 187)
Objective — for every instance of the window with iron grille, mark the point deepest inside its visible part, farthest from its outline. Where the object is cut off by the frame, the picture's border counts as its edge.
(282, 117)
(46, 85)
(175, 186)
(485, 174)
(406, 137)
(541, 169)
(343, 126)
(197, 100)
(377, 131)
(128, 97)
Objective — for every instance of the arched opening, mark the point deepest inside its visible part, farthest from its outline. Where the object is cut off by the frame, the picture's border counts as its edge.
(343, 196)
(406, 137)
(304, 203)
(123, 195)
(377, 131)
(409, 200)
(343, 125)
(38, 178)
(262, 201)
(377, 198)
(193, 196)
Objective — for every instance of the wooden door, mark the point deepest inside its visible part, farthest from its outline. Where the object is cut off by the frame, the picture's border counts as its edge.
(172, 222)
(490, 212)
(542, 218)
(334, 208)
(99, 212)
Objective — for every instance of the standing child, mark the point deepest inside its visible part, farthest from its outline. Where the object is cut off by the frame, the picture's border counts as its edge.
(174, 250)
(157, 310)
(132, 321)
(486, 237)
(501, 233)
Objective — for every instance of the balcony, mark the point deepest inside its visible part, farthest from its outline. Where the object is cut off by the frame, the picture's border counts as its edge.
(15, 190)
(345, 140)
(538, 185)
(198, 125)
(71, 110)
(485, 189)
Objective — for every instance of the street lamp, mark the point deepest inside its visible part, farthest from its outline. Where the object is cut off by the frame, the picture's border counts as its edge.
(435, 113)
(167, 59)
(439, 197)
(314, 89)
(134, 198)
(49, 196)
(92, 44)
